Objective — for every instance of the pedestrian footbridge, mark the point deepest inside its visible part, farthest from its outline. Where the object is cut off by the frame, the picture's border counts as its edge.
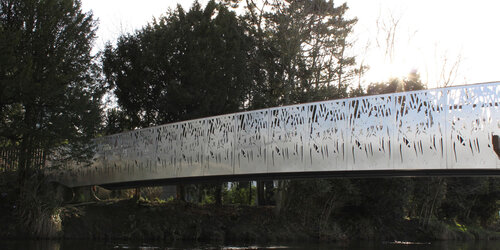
(450, 130)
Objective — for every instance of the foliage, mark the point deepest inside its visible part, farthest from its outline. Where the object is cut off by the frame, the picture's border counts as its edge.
(410, 83)
(182, 66)
(49, 93)
(242, 193)
(50, 99)
(115, 121)
(290, 52)
(471, 200)
(301, 51)
(151, 193)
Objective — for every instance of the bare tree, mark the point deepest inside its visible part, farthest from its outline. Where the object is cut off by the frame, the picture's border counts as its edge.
(387, 29)
(449, 69)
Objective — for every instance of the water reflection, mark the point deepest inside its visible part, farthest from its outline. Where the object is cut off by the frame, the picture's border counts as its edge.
(108, 245)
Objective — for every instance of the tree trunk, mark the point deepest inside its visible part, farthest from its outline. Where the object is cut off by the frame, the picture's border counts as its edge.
(180, 192)
(438, 190)
(218, 193)
(269, 193)
(279, 199)
(137, 193)
(200, 193)
(25, 152)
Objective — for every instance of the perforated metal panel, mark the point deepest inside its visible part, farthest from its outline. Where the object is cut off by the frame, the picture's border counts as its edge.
(168, 150)
(193, 141)
(420, 130)
(472, 119)
(287, 135)
(252, 142)
(371, 132)
(449, 128)
(327, 136)
(220, 145)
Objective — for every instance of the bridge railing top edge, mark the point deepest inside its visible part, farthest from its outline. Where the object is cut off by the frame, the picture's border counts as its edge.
(348, 99)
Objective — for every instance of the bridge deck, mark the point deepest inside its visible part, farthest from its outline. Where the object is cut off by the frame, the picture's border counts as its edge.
(437, 130)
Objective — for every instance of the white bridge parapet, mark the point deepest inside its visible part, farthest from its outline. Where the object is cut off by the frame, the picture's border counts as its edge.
(436, 129)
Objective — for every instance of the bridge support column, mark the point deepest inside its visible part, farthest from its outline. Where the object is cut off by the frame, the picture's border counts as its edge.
(137, 193)
(265, 193)
(180, 192)
(278, 196)
(218, 193)
(63, 193)
(269, 193)
(260, 194)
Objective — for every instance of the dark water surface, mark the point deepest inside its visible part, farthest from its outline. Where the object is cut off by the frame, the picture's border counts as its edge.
(105, 245)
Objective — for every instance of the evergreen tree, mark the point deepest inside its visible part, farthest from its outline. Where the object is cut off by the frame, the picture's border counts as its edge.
(301, 51)
(409, 83)
(185, 65)
(49, 96)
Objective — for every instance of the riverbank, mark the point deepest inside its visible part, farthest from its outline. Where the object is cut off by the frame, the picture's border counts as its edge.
(176, 220)
(128, 219)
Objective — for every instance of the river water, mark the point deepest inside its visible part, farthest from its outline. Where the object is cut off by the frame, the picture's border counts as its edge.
(105, 245)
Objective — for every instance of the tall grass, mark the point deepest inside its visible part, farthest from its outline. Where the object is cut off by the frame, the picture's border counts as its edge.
(39, 208)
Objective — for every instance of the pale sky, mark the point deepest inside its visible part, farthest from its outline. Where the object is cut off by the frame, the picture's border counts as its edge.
(431, 35)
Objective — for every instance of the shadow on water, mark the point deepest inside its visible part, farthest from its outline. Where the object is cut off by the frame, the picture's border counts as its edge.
(107, 245)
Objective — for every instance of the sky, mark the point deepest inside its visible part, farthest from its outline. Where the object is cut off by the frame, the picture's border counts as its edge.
(440, 39)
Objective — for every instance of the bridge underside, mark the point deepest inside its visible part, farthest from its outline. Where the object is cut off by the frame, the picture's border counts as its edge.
(308, 175)
(448, 131)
